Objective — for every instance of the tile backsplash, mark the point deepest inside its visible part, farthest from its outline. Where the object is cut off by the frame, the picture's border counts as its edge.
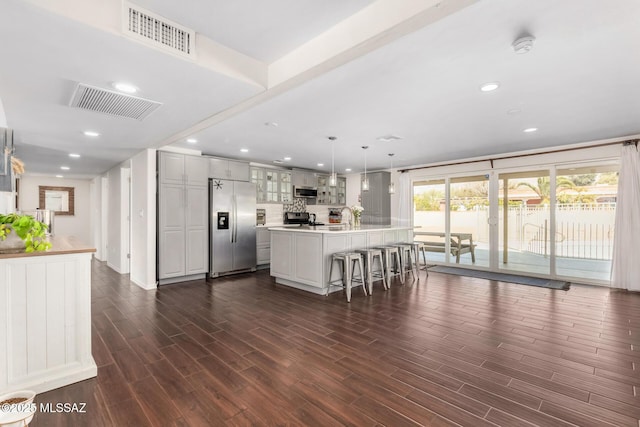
(274, 211)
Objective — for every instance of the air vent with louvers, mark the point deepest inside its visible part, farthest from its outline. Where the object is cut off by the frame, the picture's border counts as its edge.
(160, 32)
(109, 102)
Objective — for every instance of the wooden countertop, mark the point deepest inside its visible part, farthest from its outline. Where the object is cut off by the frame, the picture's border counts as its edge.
(60, 245)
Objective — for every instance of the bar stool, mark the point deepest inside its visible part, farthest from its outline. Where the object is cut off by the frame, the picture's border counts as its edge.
(391, 254)
(347, 262)
(408, 259)
(420, 248)
(369, 256)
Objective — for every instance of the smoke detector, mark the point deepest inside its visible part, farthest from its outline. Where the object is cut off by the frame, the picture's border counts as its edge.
(523, 44)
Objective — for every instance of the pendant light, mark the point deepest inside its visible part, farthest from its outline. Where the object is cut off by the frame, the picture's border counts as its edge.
(392, 186)
(333, 179)
(365, 180)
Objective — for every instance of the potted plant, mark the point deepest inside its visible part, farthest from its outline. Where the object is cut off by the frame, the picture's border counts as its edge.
(31, 233)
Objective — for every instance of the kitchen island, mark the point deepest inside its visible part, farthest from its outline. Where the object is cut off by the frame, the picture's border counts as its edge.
(45, 317)
(301, 256)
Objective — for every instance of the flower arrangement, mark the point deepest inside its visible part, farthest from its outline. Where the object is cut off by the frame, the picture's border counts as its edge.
(356, 211)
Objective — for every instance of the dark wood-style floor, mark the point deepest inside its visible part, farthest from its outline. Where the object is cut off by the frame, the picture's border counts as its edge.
(447, 350)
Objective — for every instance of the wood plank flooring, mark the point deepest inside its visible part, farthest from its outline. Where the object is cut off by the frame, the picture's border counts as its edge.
(447, 350)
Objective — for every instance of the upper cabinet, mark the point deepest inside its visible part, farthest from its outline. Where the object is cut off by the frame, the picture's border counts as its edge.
(303, 178)
(272, 185)
(183, 169)
(234, 170)
(328, 195)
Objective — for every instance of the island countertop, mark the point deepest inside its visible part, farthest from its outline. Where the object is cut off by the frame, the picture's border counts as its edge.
(337, 228)
(60, 245)
(301, 256)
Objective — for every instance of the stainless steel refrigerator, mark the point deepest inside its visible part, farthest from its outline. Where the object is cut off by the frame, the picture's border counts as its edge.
(233, 227)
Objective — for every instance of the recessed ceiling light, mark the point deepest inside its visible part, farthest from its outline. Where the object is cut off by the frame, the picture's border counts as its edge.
(125, 87)
(91, 133)
(274, 124)
(320, 165)
(287, 159)
(347, 170)
(59, 176)
(529, 130)
(192, 140)
(244, 150)
(74, 155)
(488, 87)
(64, 168)
(389, 138)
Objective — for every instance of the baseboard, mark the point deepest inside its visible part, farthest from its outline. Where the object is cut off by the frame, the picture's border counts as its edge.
(55, 379)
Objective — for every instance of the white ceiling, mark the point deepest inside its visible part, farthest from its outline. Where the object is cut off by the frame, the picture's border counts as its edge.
(579, 83)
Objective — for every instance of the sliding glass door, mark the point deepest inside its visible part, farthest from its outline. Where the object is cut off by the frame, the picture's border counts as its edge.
(519, 222)
(524, 227)
(469, 220)
(452, 217)
(585, 212)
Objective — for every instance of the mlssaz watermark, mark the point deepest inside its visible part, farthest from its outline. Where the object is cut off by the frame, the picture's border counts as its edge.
(64, 407)
(59, 407)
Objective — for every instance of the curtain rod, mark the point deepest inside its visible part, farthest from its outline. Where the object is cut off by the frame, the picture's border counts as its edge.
(515, 156)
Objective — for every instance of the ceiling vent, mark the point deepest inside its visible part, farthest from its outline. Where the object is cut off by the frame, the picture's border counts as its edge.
(153, 29)
(110, 102)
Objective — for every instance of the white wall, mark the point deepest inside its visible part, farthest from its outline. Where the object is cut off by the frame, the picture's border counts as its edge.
(143, 219)
(95, 221)
(113, 207)
(79, 224)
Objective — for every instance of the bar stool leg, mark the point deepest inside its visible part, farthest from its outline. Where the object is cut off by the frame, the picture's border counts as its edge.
(347, 280)
(369, 265)
(399, 264)
(383, 273)
(414, 262)
(362, 277)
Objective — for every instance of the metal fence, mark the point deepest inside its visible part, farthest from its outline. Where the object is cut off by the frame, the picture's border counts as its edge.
(582, 231)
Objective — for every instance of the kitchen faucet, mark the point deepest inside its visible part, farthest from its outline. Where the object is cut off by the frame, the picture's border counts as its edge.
(350, 214)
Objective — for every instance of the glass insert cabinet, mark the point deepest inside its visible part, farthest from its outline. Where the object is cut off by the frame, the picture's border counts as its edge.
(276, 186)
(328, 195)
(272, 185)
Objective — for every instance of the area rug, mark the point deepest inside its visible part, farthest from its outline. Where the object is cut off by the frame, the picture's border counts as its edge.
(511, 278)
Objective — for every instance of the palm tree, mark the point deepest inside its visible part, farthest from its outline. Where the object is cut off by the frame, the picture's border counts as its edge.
(543, 187)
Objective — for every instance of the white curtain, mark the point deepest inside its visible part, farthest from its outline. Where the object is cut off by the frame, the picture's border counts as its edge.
(625, 271)
(406, 194)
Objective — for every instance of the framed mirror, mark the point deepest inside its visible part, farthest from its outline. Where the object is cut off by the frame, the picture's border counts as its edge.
(57, 199)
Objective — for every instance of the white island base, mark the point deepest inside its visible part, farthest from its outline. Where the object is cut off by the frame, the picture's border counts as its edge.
(301, 256)
(45, 318)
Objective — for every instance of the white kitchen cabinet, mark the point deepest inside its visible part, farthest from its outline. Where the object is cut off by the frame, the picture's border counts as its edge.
(234, 170)
(301, 258)
(272, 185)
(303, 178)
(282, 259)
(328, 195)
(196, 171)
(183, 240)
(263, 246)
(182, 169)
(308, 246)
